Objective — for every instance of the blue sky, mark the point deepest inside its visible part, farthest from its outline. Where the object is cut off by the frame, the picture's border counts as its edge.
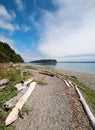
(60, 29)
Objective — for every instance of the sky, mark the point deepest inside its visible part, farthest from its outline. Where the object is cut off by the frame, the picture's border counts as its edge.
(60, 29)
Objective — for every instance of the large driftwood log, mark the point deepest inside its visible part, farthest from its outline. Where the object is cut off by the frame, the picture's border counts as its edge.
(13, 100)
(47, 73)
(14, 113)
(23, 85)
(3, 83)
(86, 108)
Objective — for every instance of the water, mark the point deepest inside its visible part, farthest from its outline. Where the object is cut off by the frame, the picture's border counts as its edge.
(78, 67)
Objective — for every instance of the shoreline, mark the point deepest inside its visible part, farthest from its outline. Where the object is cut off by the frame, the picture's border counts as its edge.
(86, 78)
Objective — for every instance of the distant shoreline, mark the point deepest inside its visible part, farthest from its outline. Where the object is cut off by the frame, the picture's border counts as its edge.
(77, 62)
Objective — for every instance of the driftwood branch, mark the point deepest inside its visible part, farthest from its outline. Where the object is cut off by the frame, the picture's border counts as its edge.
(23, 84)
(14, 113)
(86, 108)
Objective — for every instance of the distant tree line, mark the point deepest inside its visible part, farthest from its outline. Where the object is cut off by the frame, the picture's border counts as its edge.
(45, 61)
(8, 55)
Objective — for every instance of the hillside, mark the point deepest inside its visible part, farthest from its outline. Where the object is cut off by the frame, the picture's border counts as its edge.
(45, 61)
(8, 55)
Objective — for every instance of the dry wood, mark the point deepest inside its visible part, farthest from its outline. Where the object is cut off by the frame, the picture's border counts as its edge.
(3, 83)
(47, 73)
(21, 86)
(14, 113)
(66, 82)
(2, 87)
(86, 108)
(70, 83)
(13, 100)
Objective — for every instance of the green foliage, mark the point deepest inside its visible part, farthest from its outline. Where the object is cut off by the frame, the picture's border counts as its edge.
(7, 127)
(45, 61)
(8, 55)
(26, 109)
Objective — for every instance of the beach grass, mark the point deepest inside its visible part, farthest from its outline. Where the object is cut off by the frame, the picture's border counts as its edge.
(40, 82)
(14, 77)
(26, 109)
(87, 92)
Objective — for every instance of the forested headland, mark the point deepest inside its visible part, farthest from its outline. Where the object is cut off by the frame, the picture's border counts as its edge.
(7, 54)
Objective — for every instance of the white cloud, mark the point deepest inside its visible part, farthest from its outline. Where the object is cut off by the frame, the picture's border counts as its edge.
(5, 15)
(20, 4)
(69, 30)
(84, 57)
(6, 19)
(26, 28)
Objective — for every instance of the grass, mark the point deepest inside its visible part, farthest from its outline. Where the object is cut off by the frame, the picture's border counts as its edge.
(26, 109)
(31, 67)
(14, 76)
(40, 82)
(88, 93)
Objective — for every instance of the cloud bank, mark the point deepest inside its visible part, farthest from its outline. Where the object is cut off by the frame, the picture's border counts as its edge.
(69, 30)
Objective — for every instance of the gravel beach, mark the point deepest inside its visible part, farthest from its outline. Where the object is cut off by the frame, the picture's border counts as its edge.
(53, 107)
(86, 78)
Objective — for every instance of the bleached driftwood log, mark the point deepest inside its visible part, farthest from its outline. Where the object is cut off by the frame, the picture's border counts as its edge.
(3, 83)
(86, 107)
(66, 82)
(21, 86)
(70, 83)
(14, 113)
(13, 100)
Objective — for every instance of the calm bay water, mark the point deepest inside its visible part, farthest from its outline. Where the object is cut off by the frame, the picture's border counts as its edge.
(78, 67)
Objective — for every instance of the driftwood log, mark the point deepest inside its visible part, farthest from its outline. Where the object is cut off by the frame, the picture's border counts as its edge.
(22, 89)
(47, 73)
(15, 111)
(12, 101)
(3, 83)
(67, 83)
(23, 84)
(86, 107)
